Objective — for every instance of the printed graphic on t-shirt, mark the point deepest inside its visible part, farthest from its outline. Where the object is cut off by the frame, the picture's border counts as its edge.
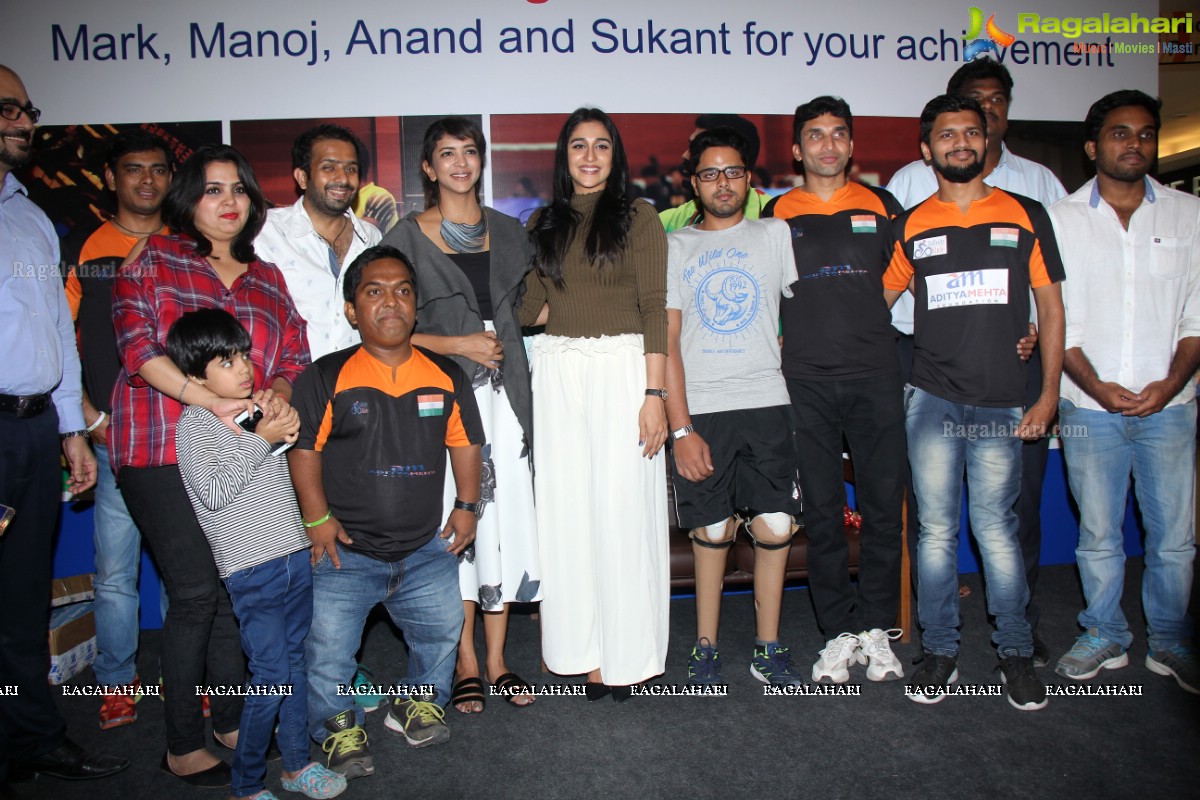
(728, 294)
(932, 246)
(974, 288)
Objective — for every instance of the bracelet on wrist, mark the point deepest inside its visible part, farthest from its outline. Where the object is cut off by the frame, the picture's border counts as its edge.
(183, 388)
(474, 508)
(99, 421)
(321, 521)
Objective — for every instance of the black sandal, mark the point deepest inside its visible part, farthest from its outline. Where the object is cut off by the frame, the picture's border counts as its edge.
(468, 690)
(512, 686)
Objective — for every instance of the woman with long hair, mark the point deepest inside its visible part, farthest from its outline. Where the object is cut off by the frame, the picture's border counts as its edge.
(216, 209)
(470, 263)
(599, 286)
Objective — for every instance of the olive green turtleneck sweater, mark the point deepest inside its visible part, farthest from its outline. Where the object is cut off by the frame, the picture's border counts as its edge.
(628, 296)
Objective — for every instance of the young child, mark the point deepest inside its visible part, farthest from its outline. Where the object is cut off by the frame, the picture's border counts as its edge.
(243, 498)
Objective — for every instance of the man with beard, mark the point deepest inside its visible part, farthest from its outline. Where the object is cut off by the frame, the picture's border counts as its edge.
(971, 254)
(137, 171)
(989, 82)
(311, 240)
(1132, 249)
(40, 417)
(844, 383)
(727, 402)
(691, 212)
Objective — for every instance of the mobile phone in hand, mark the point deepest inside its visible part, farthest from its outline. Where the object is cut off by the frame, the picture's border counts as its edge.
(249, 422)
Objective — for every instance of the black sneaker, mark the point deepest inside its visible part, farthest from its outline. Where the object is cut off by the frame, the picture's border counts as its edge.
(1026, 691)
(346, 746)
(928, 684)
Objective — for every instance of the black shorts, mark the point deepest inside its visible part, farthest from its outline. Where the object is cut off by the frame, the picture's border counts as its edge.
(754, 466)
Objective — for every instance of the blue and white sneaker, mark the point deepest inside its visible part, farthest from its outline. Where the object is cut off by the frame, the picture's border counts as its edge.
(704, 665)
(772, 664)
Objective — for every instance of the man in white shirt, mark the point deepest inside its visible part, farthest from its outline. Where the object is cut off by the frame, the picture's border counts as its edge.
(1131, 249)
(989, 82)
(311, 240)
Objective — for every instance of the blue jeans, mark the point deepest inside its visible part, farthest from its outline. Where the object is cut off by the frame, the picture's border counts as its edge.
(118, 556)
(944, 439)
(421, 594)
(273, 602)
(1160, 452)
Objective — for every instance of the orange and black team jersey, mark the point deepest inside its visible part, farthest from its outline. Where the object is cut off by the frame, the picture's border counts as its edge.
(837, 326)
(382, 437)
(973, 275)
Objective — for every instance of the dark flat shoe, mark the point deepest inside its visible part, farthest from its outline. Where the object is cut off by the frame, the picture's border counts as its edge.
(218, 776)
(70, 762)
(596, 691)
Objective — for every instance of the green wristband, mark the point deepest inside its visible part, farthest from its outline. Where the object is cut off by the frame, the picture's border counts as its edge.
(320, 521)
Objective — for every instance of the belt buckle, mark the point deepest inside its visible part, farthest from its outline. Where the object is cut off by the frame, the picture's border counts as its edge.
(30, 406)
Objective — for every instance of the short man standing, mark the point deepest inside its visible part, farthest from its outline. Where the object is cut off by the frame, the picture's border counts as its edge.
(843, 376)
(311, 240)
(1132, 251)
(369, 467)
(138, 171)
(41, 417)
(971, 254)
(727, 402)
(989, 83)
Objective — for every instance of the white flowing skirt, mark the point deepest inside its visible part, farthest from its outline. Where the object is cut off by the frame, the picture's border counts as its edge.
(601, 511)
(503, 566)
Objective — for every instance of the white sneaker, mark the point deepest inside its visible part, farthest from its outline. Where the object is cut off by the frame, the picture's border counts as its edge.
(883, 666)
(834, 664)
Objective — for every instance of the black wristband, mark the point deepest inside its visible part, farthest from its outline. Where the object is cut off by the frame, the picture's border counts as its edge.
(474, 508)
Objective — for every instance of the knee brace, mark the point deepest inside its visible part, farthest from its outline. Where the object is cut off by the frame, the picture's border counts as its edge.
(718, 536)
(775, 529)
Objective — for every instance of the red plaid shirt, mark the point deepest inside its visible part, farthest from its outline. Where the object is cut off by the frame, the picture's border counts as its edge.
(167, 281)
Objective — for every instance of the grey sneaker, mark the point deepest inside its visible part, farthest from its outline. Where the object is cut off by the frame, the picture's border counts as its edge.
(346, 746)
(1091, 654)
(1180, 663)
(1026, 692)
(420, 720)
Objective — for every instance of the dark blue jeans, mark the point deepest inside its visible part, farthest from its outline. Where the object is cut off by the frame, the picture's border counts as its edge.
(273, 602)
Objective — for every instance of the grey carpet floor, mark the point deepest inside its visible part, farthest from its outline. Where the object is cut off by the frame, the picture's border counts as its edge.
(875, 745)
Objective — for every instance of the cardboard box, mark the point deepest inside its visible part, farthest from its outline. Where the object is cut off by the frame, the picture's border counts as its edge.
(75, 589)
(72, 627)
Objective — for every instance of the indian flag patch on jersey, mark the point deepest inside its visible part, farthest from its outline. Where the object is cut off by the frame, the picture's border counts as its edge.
(862, 223)
(430, 405)
(1005, 237)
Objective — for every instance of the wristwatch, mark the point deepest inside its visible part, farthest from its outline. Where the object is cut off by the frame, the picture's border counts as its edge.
(72, 434)
(474, 508)
(678, 434)
(659, 393)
